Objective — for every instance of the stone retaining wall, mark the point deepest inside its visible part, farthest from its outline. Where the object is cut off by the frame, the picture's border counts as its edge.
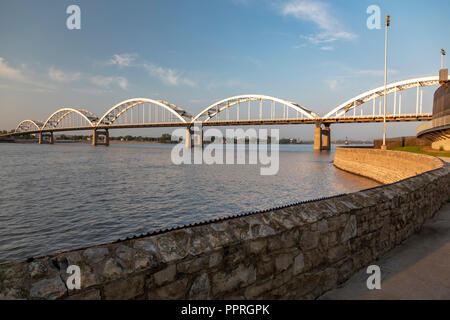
(384, 166)
(296, 252)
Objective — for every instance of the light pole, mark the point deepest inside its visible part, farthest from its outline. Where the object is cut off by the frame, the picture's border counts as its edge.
(388, 22)
(442, 58)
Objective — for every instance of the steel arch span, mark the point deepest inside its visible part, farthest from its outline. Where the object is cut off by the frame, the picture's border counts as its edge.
(379, 92)
(216, 108)
(122, 107)
(58, 116)
(29, 125)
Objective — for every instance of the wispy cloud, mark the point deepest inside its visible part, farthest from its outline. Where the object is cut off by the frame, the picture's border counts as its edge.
(167, 76)
(319, 13)
(332, 84)
(10, 73)
(299, 46)
(348, 75)
(107, 82)
(23, 78)
(123, 60)
(23, 75)
(61, 76)
(327, 48)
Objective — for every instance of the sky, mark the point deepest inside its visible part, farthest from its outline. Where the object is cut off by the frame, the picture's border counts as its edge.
(193, 53)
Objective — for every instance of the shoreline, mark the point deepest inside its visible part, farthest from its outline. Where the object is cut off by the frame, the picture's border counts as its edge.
(155, 142)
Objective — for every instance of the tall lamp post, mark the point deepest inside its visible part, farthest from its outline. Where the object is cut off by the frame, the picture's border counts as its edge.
(388, 23)
(442, 58)
(443, 73)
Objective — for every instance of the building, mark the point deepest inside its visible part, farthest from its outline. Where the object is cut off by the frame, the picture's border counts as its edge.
(437, 131)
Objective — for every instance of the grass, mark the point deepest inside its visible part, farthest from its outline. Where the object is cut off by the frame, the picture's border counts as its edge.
(417, 149)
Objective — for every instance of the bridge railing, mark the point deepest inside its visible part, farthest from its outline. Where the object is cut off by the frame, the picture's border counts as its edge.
(432, 125)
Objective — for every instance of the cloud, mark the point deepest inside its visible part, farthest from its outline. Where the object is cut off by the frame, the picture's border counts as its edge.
(30, 81)
(123, 60)
(332, 84)
(11, 73)
(107, 82)
(350, 73)
(168, 76)
(61, 76)
(298, 46)
(319, 13)
(327, 48)
(23, 75)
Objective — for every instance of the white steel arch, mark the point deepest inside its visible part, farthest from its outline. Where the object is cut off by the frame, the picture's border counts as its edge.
(227, 102)
(379, 92)
(114, 112)
(29, 125)
(60, 114)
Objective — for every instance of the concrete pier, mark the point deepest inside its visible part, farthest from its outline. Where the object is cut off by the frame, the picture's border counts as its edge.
(97, 134)
(326, 137)
(199, 137)
(317, 137)
(46, 138)
(188, 138)
(322, 137)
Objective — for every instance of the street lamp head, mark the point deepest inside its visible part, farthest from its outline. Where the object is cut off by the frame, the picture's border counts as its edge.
(443, 52)
(388, 20)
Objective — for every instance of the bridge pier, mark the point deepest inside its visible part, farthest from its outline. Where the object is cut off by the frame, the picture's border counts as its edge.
(199, 137)
(318, 137)
(96, 134)
(46, 138)
(194, 136)
(188, 138)
(326, 137)
(322, 137)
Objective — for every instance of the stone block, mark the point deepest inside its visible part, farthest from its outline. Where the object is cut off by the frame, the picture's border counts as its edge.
(166, 275)
(125, 289)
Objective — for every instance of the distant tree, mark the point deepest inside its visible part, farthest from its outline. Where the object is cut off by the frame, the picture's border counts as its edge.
(165, 137)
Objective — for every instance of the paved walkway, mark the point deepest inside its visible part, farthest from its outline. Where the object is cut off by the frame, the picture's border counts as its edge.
(417, 269)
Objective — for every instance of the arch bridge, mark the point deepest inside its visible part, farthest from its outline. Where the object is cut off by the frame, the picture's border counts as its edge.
(249, 109)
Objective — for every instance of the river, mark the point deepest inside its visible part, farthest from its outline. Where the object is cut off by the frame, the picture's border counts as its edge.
(64, 196)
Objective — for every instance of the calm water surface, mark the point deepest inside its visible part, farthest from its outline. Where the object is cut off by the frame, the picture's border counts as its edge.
(63, 196)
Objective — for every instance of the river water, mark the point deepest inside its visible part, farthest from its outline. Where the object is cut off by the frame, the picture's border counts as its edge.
(64, 196)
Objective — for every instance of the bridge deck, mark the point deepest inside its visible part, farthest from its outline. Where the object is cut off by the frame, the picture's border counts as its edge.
(347, 119)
